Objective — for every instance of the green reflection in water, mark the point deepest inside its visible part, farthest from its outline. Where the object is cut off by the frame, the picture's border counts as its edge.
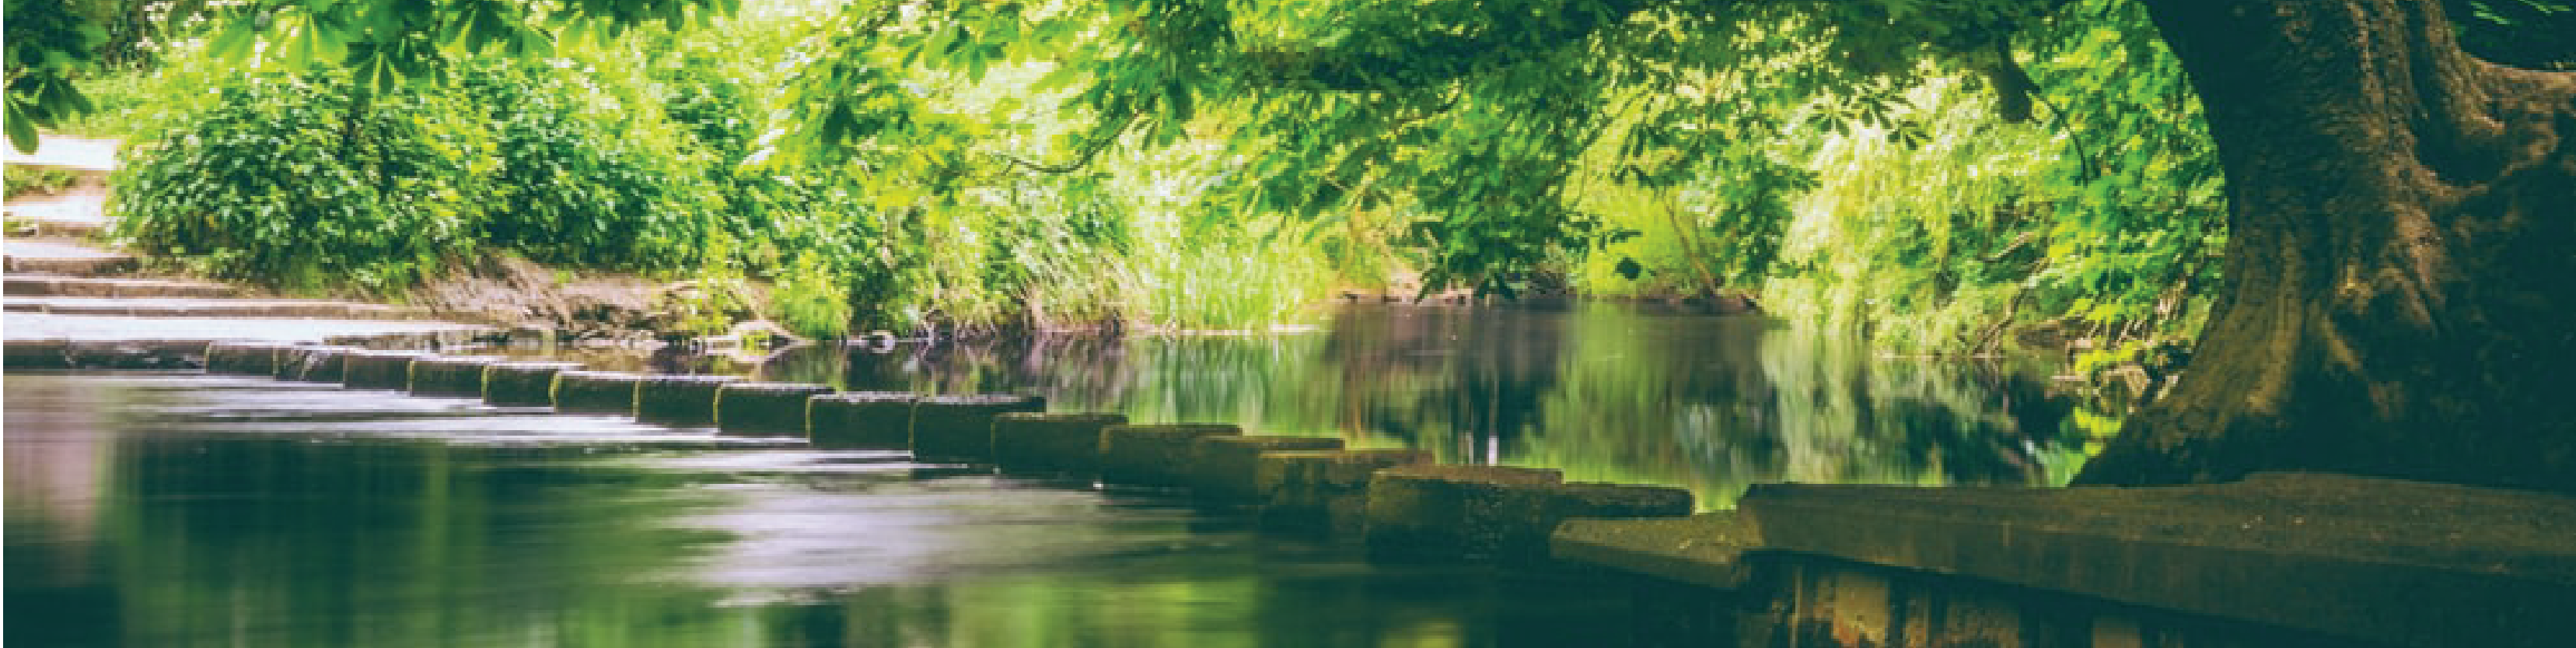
(195, 511)
(1604, 392)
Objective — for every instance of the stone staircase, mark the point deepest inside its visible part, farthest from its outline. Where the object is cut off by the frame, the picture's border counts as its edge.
(71, 301)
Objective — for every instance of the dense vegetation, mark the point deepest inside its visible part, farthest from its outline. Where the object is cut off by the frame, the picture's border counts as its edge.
(1908, 204)
(1945, 177)
(990, 165)
(306, 178)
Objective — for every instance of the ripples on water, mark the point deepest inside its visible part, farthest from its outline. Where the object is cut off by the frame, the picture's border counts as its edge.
(187, 510)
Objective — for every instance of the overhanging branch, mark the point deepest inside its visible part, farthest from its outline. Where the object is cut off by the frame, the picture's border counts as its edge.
(1401, 52)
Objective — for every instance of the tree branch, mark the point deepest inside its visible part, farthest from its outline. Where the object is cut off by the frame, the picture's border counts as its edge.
(1400, 52)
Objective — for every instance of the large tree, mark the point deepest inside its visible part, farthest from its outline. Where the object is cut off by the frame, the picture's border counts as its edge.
(2400, 283)
(2401, 278)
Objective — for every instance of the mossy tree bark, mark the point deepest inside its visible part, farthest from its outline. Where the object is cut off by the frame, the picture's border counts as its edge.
(2402, 260)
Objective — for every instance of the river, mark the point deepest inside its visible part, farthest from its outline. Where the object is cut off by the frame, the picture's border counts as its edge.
(182, 509)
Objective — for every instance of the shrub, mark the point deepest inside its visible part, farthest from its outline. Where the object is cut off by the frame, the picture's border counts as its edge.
(567, 189)
(304, 180)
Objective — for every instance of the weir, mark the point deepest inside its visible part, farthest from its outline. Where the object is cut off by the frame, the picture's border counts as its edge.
(2277, 559)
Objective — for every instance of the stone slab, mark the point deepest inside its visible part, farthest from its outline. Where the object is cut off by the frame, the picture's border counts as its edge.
(315, 363)
(184, 307)
(18, 285)
(2385, 561)
(523, 384)
(595, 392)
(1154, 455)
(1705, 549)
(78, 153)
(64, 256)
(38, 326)
(1323, 490)
(679, 400)
(378, 369)
(1450, 512)
(22, 355)
(873, 420)
(1051, 443)
(1227, 468)
(455, 376)
(960, 428)
(244, 357)
(79, 211)
(126, 354)
(765, 408)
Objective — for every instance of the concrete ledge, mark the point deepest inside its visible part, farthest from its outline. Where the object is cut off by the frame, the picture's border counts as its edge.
(1440, 512)
(236, 357)
(315, 363)
(438, 375)
(876, 420)
(2385, 561)
(1322, 490)
(765, 408)
(49, 286)
(1154, 455)
(183, 307)
(679, 400)
(36, 354)
(378, 369)
(1050, 443)
(595, 392)
(139, 354)
(1705, 549)
(961, 427)
(1227, 467)
(81, 266)
(523, 384)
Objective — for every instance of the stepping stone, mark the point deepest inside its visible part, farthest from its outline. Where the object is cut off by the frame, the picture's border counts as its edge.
(876, 420)
(765, 408)
(679, 400)
(62, 286)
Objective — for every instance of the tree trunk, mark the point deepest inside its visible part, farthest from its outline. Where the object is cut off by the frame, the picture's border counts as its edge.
(2401, 293)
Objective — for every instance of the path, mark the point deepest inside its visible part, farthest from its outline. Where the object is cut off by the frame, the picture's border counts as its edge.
(70, 300)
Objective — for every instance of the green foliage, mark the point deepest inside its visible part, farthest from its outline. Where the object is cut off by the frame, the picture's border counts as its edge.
(996, 166)
(306, 180)
(25, 179)
(49, 43)
(1949, 229)
(810, 299)
(2538, 34)
(578, 191)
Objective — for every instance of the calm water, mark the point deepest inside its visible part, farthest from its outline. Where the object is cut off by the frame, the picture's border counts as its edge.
(191, 510)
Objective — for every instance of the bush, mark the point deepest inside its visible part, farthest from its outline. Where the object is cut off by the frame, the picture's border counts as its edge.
(567, 189)
(306, 181)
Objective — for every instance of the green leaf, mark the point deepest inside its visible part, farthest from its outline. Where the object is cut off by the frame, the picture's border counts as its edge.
(22, 129)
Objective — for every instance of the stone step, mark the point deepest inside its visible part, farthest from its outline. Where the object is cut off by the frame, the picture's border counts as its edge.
(75, 153)
(79, 212)
(1705, 549)
(181, 307)
(32, 285)
(47, 227)
(63, 256)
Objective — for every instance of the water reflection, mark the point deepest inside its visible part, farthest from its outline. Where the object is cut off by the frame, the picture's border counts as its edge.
(1605, 392)
(188, 510)
(192, 511)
